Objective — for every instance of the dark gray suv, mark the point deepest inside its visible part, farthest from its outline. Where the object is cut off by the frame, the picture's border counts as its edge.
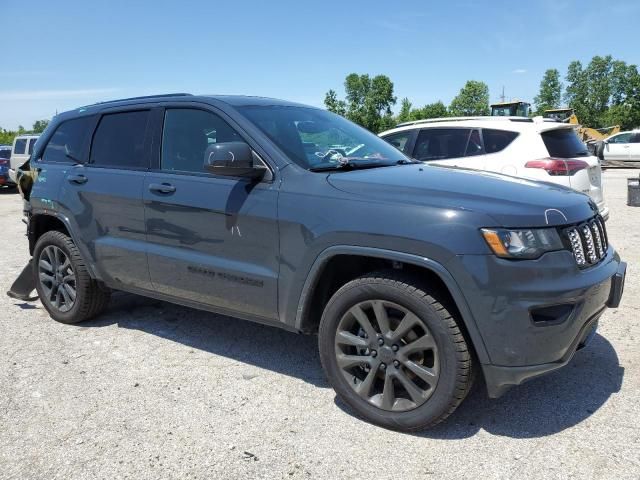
(414, 277)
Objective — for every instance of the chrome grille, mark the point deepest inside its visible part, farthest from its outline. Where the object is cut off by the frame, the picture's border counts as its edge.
(588, 241)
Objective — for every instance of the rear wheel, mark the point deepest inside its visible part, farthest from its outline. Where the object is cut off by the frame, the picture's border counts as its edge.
(63, 283)
(393, 352)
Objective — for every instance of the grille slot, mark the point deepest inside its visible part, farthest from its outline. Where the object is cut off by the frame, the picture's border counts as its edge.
(588, 242)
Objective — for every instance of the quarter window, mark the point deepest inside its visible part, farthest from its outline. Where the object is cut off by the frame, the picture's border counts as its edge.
(20, 146)
(120, 139)
(66, 144)
(497, 140)
(186, 135)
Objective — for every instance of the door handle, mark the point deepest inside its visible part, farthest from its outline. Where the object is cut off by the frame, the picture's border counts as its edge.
(76, 178)
(164, 188)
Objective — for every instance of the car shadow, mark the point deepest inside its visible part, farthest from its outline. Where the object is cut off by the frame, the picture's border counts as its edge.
(263, 346)
(8, 190)
(541, 407)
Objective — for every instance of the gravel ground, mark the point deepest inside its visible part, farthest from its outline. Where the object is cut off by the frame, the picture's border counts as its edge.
(152, 390)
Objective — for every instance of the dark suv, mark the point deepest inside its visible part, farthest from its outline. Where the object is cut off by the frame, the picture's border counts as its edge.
(414, 277)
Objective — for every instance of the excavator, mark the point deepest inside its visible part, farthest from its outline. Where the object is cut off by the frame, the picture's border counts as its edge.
(591, 136)
(514, 108)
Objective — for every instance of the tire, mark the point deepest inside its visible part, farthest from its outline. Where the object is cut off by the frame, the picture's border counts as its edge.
(90, 297)
(433, 356)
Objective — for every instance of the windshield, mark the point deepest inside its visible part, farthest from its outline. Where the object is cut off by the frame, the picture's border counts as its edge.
(317, 138)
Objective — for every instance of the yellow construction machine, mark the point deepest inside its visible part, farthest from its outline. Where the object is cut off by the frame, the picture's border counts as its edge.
(514, 108)
(588, 135)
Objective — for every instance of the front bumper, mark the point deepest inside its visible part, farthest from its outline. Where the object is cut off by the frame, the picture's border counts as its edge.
(533, 315)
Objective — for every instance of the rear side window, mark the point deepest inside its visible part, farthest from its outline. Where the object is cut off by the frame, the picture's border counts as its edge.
(441, 143)
(66, 144)
(32, 143)
(119, 140)
(497, 140)
(564, 143)
(400, 141)
(635, 138)
(20, 147)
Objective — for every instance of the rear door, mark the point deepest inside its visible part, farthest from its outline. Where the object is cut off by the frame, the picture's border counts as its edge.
(104, 197)
(211, 239)
(634, 148)
(450, 146)
(618, 147)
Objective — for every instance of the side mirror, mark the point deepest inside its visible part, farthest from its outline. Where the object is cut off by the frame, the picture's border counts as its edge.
(232, 159)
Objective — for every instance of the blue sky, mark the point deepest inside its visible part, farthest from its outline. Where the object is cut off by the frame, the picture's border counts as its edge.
(62, 54)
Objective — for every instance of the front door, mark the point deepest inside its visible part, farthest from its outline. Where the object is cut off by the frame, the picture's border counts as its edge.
(617, 148)
(211, 239)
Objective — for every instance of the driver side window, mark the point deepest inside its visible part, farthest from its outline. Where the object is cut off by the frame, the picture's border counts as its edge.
(187, 133)
(622, 138)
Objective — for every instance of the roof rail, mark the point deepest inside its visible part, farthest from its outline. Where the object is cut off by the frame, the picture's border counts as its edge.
(144, 97)
(458, 119)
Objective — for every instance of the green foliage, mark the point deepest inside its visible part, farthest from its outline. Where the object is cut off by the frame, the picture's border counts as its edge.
(333, 104)
(368, 101)
(431, 110)
(473, 99)
(604, 93)
(405, 111)
(550, 95)
(7, 136)
(39, 126)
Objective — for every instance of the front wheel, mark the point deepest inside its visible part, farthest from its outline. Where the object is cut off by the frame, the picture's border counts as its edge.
(393, 352)
(63, 283)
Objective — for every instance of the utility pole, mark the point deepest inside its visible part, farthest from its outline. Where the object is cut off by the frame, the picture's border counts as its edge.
(502, 97)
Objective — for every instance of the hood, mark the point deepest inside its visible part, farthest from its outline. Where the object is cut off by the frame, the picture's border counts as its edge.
(510, 201)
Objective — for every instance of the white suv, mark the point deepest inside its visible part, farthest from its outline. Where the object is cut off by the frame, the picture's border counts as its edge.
(22, 148)
(517, 146)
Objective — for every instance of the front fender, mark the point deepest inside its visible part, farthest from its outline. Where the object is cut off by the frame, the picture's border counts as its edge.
(419, 261)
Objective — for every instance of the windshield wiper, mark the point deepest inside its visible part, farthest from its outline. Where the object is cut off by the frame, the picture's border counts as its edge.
(358, 164)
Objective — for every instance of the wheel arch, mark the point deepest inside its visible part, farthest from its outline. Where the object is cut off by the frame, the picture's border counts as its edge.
(305, 321)
(40, 223)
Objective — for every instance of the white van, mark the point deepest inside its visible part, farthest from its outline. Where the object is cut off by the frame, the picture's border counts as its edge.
(22, 148)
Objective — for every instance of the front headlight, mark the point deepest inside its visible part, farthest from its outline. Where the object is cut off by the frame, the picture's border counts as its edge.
(522, 244)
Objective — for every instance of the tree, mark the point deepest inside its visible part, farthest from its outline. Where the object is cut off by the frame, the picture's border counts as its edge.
(405, 111)
(431, 110)
(40, 125)
(550, 95)
(577, 91)
(625, 97)
(473, 99)
(333, 104)
(368, 101)
(599, 87)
